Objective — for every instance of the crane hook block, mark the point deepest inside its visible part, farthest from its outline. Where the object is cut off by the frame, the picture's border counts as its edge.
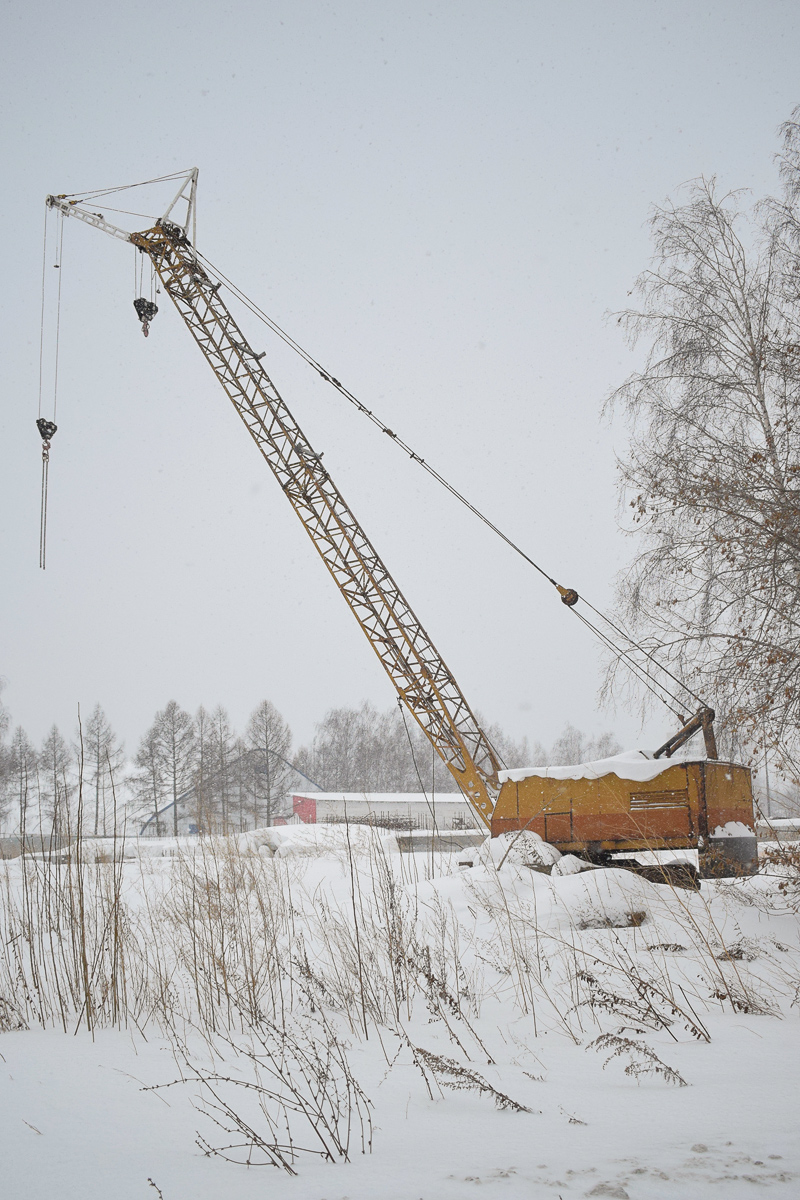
(46, 429)
(568, 596)
(145, 310)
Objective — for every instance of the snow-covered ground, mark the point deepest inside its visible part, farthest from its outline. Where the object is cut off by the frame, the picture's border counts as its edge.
(456, 1008)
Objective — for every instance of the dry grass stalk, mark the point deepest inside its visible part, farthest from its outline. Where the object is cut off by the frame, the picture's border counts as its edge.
(457, 1078)
(277, 1086)
(643, 1060)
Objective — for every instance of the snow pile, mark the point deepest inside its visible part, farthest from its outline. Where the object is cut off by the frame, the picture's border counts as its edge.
(103, 850)
(257, 841)
(286, 841)
(733, 829)
(128, 849)
(523, 849)
(600, 899)
(570, 864)
(283, 841)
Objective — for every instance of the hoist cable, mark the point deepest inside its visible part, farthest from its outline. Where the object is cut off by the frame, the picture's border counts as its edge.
(637, 669)
(619, 652)
(43, 510)
(362, 408)
(127, 212)
(414, 761)
(41, 328)
(48, 428)
(659, 666)
(654, 685)
(93, 195)
(432, 802)
(60, 265)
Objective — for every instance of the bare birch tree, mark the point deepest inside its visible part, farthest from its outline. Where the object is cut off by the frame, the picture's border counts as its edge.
(103, 756)
(203, 802)
(365, 750)
(150, 780)
(21, 775)
(270, 737)
(222, 749)
(711, 477)
(572, 747)
(55, 774)
(241, 786)
(177, 744)
(5, 754)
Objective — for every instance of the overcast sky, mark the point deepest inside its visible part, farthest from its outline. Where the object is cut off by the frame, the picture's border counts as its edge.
(442, 201)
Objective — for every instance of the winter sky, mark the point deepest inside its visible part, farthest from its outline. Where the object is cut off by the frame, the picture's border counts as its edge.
(442, 201)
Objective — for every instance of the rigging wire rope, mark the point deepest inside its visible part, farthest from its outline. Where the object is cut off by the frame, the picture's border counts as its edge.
(43, 510)
(48, 428)
(97, 192)
(41, 327)
(655, 686)
(431, 810)
(659, 689)
(59, 265)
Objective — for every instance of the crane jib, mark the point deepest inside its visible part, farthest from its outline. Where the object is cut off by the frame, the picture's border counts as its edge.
(417, 670)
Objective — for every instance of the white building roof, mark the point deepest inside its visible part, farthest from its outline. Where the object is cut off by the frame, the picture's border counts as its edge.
(383, 799)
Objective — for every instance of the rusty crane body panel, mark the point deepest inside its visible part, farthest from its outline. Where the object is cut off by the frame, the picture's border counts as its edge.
(682, 807)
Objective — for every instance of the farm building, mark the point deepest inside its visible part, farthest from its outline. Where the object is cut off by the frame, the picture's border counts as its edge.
(393, 810)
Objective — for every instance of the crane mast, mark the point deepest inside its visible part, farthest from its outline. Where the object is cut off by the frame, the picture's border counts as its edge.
(422, 679)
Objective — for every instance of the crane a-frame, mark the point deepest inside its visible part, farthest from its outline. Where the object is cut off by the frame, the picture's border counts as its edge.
(678, 807)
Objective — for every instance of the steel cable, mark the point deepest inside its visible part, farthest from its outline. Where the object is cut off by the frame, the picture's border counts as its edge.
(618, 651)
(43, 510)
(41, 328)
(609, 642)
(98, 192)
(60, 265)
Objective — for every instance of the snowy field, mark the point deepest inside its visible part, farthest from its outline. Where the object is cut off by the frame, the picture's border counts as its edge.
(388, 1026)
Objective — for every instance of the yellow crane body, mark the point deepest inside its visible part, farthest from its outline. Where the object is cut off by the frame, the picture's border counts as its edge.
(680, 808)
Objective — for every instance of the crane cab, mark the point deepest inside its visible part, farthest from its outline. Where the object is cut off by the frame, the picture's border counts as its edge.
(632, 803)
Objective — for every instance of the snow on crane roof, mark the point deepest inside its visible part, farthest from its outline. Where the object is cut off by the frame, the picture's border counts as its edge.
(631, 764)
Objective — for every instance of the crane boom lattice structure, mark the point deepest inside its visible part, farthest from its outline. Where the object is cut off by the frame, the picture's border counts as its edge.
(407, 653)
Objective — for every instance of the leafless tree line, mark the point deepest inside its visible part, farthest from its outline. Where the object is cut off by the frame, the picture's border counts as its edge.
(364, 750)
(38, 785)
(197, 773)
(200, 767)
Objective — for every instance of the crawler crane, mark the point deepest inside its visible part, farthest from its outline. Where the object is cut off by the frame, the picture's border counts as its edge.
(626, 804)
